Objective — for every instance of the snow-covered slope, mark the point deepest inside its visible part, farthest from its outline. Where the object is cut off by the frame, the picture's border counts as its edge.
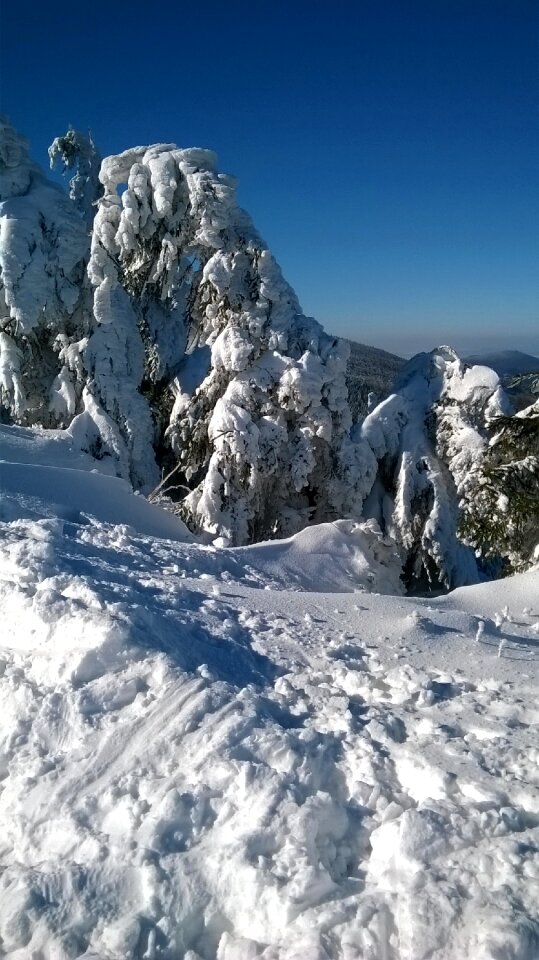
(211, 753)
(43, 474)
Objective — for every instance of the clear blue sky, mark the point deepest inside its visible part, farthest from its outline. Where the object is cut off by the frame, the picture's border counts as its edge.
(387, 150)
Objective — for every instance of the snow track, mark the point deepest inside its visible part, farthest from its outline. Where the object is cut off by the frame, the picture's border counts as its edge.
(204, 754)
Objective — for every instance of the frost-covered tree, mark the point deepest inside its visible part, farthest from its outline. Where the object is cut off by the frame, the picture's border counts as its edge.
(78, 153)
(430, 438)
(502, 518)
(43, 250)
(192, 352)
(200, 342)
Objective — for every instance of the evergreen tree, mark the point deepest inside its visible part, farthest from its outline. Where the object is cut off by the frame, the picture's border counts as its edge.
(197, 331)
(502, 519)
(78, 152)
(430, 438)
(44, 246)
(185, 350)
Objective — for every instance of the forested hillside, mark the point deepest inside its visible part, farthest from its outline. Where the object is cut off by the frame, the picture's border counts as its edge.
(370, 372)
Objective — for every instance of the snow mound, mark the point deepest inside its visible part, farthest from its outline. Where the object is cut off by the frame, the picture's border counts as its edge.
(194, 766)
(70, 485)
(341, 557)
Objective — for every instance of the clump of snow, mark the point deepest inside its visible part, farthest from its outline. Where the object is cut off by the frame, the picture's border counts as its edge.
(342, 556)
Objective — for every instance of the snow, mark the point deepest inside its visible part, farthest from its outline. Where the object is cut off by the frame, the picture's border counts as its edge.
(77, 152)
(70, 485)
(430, 437)
(260, 752)
(261, 435)
(42, 240)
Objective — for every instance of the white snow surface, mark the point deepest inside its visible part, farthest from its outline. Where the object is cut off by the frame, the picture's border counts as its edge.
(229, 754)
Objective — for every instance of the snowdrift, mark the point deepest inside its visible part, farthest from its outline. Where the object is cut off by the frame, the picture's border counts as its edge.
(212, 754)
(340, 557)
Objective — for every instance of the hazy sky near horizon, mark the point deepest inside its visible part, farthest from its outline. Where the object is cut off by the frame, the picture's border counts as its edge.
(387, 150)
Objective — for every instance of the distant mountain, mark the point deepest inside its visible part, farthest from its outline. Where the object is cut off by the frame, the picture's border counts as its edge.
(523, 389)
(519, 373)
(370, 370)
(506, 363)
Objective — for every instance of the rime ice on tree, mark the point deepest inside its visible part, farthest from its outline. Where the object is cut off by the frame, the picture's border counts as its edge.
(184, 352)
(430, 438)
(43, 248)
(187, 294)
(77, 152)
(502, 519)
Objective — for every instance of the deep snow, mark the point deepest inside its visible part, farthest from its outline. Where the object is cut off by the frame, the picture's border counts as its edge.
(234, 754)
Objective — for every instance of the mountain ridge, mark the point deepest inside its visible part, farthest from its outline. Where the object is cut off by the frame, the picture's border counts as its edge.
(506, 362)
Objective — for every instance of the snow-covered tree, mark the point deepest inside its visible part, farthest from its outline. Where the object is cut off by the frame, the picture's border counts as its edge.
(197, 332)
(43, 250)
(184, 350)
(430, 438)
(78, 153)
(502, 518)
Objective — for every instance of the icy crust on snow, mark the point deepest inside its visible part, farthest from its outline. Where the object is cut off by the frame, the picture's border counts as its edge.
(429, 438)
(205, 755)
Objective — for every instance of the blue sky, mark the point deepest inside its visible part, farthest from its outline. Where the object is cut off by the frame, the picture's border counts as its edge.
(387, 150)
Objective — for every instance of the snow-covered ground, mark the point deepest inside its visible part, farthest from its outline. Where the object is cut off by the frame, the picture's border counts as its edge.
(264, 752)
